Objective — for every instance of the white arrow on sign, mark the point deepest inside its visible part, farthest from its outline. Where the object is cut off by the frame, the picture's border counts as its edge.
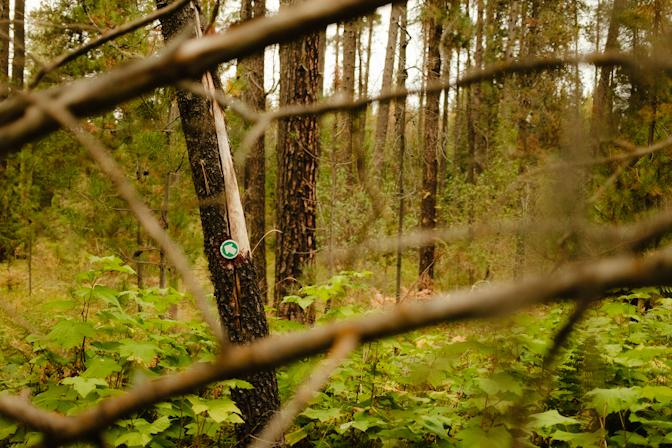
(229, 249)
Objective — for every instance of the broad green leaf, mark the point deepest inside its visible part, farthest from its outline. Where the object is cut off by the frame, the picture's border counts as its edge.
(500, 382)
(132, 439)
(303, 302)
(107, 295)
(84, 386)
(7, 428)
(70, 333)
(198, 405)
(136, 350)
(236, 384)
(607, 401)
(581, 439)
(625, 438)
(363, 422)
(111, 263)
(435, 424)
(295, 437)
(478, 438)
(221, 409)
(101, 368)
(551, 418)
(662, 394)
(158, 425)
(322, 415)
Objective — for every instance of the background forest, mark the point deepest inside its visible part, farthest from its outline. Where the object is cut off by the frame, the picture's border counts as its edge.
(459, 144)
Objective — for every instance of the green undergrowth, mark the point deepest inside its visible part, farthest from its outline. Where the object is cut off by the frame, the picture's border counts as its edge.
(473, 384)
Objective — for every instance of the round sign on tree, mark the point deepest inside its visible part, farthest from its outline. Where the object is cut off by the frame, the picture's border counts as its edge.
(229, 249)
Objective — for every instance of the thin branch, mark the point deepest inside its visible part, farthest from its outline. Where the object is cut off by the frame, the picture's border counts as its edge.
(97, 42)
(144, 215)
(226, 101)
(578, 280)
(275, 429)
(630, 237)
(634, 152)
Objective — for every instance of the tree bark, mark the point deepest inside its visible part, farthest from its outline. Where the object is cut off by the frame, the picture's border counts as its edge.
(4, 40)
(235, 281)
(298, 153)
(601, 122)
(348, 88)
(19, 59)
(251, 70)
(431, 146)
(400, 131)
(383, 117)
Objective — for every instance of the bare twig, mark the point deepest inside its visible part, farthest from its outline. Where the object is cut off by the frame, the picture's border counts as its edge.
(144, 215)
(306, 392)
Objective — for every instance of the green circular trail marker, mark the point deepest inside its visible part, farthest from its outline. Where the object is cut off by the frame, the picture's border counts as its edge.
(229, 249)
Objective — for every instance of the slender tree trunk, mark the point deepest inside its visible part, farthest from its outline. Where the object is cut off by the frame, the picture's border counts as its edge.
(383, 117)
(239, 300)
(446, 54)
(423, 83)
(431, 147)
(400, 131)
(19, 60)
(333, 156)
(478, 143)
(298, 153)
(657, 24)
(139, 241)
(459, 165)
(598, 35)
(349, 60)
(4, 40)
(602, 101)
(251, 71)
(163, 265)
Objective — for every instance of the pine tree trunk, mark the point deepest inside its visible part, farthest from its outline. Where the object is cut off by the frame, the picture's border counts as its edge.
(4, 40)
(601, 122)
(19, 60)
(431, 147)
(349, 58)
(239, 300)
(400, 133)
(298, 153)
(251, 71)
(383, 117)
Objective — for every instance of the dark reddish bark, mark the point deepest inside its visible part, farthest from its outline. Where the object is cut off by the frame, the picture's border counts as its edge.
(298, 154)
(239, 300)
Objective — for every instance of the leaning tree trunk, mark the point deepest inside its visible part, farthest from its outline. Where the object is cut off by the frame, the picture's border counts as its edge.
(298, 153)
(431, 146)
(239, 300)
(251, 70)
